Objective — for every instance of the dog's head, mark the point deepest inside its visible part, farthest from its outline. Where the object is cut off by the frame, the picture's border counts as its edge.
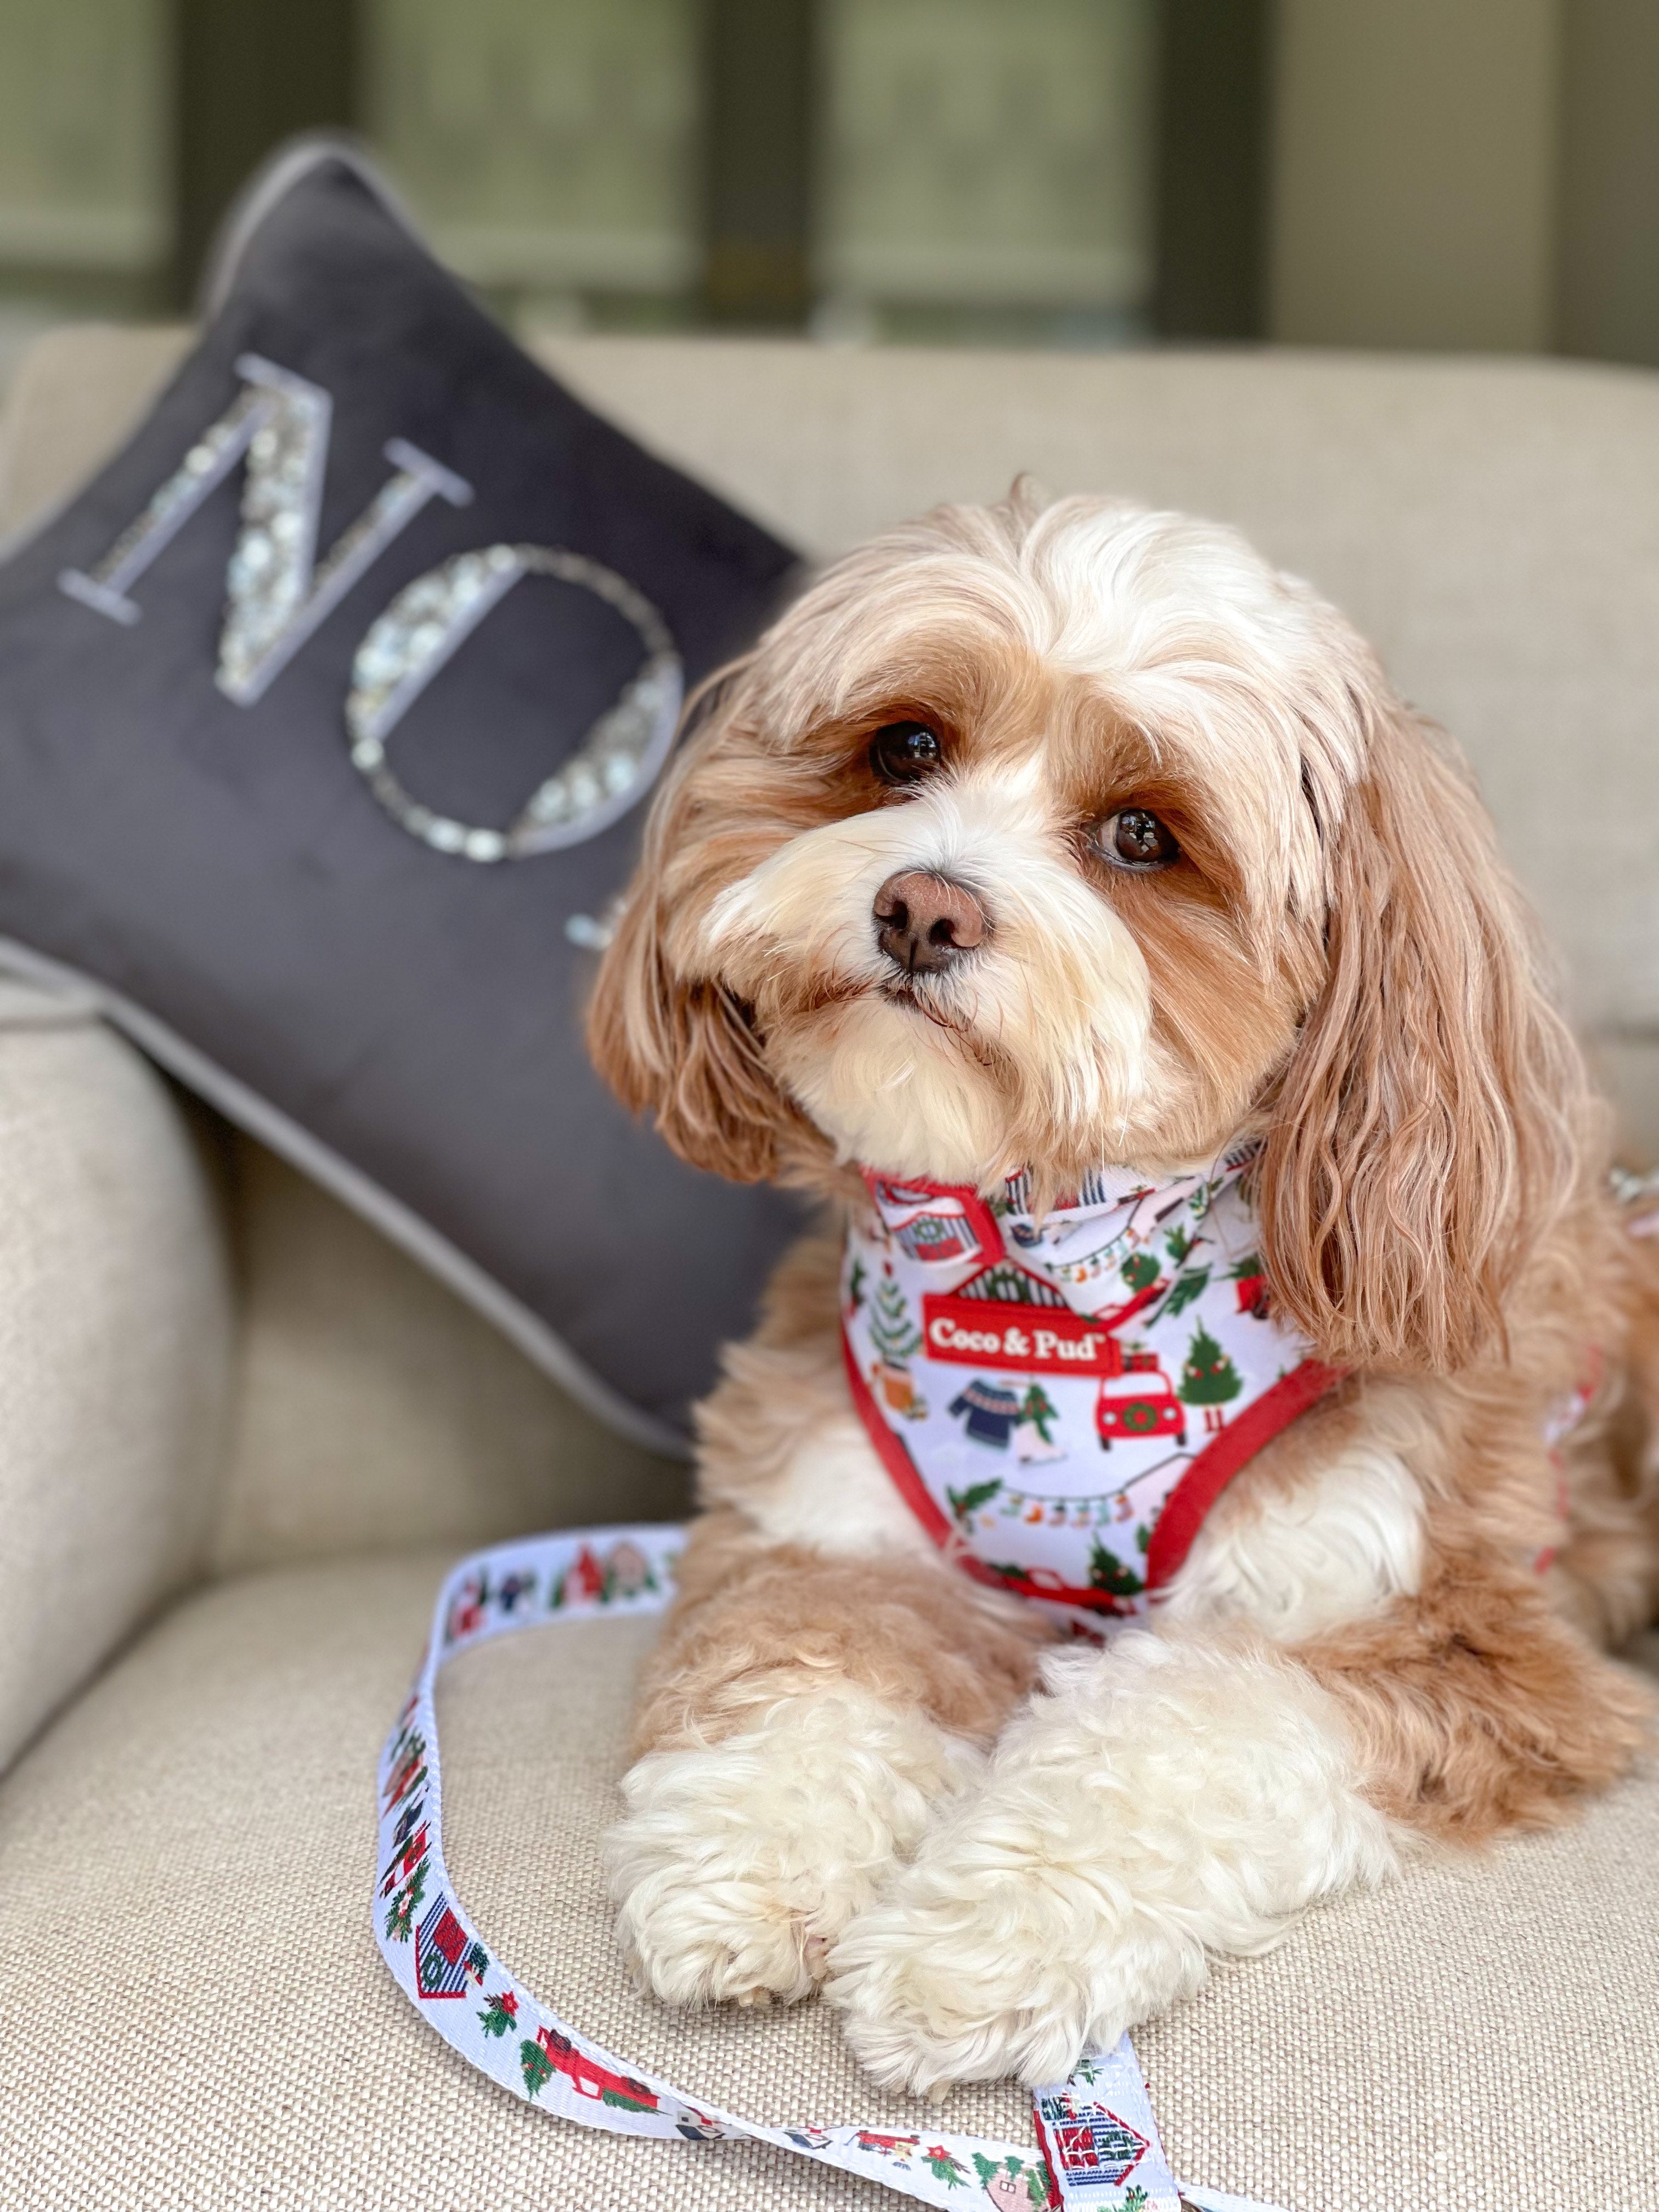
(1049, 837)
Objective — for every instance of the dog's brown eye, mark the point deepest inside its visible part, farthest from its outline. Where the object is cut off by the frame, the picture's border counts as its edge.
(1135, 839)
(900, 751)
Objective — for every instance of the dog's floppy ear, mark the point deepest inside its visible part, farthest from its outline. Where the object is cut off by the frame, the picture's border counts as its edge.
(673, 1041)
(1431, 1121)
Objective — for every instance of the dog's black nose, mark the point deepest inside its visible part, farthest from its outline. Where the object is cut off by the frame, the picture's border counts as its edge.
(925, 921)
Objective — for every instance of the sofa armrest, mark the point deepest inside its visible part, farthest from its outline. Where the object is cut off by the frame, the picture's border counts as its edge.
(116, 1338)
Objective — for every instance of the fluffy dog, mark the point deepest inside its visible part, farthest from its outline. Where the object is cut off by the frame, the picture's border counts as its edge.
(1029, 840)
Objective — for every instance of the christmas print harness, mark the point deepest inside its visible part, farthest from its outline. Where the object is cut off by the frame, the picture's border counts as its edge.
(1060, 1399)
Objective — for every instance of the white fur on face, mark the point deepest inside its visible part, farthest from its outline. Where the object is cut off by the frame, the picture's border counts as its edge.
(909, 1084)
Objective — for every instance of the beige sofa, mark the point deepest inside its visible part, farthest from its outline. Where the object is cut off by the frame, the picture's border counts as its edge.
(242, 1435)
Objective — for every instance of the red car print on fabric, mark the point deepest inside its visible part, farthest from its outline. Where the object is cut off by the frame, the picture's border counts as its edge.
(1141, 1402)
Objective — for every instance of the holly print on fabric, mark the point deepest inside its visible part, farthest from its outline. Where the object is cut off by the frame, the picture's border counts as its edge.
(537, 2067)
(1209, 1378)
(964, 1504)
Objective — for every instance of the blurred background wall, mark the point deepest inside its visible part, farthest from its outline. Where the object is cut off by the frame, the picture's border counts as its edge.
(1443, 173)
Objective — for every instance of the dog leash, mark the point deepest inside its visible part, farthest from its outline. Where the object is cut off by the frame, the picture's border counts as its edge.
(1098, 2143)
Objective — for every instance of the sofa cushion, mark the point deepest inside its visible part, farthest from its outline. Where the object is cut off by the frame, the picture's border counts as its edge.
(116, 1342)
(369, 1400)
(325, 710)
(193, 2013)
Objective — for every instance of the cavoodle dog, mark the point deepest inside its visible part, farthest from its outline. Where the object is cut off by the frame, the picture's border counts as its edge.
(1213, 1442)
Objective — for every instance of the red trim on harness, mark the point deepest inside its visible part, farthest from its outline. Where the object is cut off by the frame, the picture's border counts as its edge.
(1184, 1510)
(1187, 1504)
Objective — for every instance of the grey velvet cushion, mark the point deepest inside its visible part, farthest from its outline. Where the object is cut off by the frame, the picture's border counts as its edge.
(325, 712)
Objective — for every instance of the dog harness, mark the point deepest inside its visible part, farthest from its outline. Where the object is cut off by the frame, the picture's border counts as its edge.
(1059, 1400)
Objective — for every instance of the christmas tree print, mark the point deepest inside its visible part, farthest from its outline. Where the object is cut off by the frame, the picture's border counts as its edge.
(499, 2015)
(1189, 1286)
(536, 2066)
(1107, 1572)
(1208, 1377)
(855, 1284)
(1178, 1244)
(1141, 1270)
(890, 1329)
(964, 1504)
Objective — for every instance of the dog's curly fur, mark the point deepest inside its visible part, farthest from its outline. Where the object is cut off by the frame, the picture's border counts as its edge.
(853, 1765)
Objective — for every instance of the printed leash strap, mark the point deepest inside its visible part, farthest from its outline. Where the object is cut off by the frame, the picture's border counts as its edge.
(1099, 2143)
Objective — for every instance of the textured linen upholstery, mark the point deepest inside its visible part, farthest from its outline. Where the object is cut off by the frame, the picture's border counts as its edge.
(192, 2012)
(196, 2020)
(375, 1409)
(115, 1351)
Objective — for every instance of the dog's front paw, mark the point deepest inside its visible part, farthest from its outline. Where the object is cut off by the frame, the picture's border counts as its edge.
(986, 1959)
(1161, 1802)
(740, 1862)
